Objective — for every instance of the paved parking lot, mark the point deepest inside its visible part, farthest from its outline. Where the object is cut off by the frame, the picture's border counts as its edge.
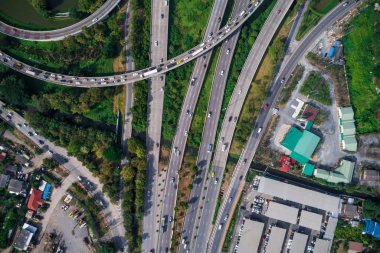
(72, 234)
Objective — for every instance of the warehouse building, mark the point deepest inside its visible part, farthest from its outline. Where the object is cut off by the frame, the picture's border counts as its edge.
(342, 174)
(322, 246)
(276, 240)
(300, 195)
(250, 236)
(282, 212)
(299, 243)
(347, 129)
(301, 144)
(310, 220)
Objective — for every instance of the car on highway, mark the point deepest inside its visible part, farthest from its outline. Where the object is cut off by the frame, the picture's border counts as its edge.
(94, 20)
(226, 217)
(219, 19)
(224, 147)
(282, 80)
(209, 114)
(220, 226)
(229, 119)
(228, 51)
(156, 43)
(189, 113)
(192, 82)
(222, 72)
(173, 180)
(30, 133)
(265, 106)
(41, 142)
(186, 132)
(259, 130)
(279, 11)
(209, 148)
(162, 15)
(216, 181)
(19, 125)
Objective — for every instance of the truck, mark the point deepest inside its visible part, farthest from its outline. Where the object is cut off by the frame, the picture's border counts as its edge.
(163, 223)
(150, 72)
(198, 51)
(30, 72)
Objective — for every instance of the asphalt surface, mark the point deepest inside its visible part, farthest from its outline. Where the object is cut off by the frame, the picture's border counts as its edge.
(179, 142)
(62, 33)
(209, 131)
(229, 123)
(158, 49)
(130, 77)
(248, 153)
(111, 212)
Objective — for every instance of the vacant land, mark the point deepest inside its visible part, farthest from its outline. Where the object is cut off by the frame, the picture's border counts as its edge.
(316, 10)
(317, 88)
(362, 49)
(290, 85)
(188, 20)
(336, 73)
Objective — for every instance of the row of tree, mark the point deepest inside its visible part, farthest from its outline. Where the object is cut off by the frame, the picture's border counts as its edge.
(134, 175)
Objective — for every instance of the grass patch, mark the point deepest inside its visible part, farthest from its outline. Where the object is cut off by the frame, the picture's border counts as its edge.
(102, 112)
(231, 228)
(362, 54)
(317, 88)
(291, 84)
(336, 72)
(197, 124)
(185, 32)
(316, 10)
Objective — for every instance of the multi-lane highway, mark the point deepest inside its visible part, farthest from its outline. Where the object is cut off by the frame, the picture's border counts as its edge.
(62, 33)
(134, 76)
(217, 236)
(209, 131)
(184, 122)
(156, 87)
(222, 146)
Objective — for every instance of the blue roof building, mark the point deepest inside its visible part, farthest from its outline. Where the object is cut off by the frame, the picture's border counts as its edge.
(46, 192)
(371, 227)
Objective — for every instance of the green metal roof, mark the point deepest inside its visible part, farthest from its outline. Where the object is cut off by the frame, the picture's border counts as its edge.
(308, 169)
(347, 113)
(307, 144)
(348, 128)
(299, 158)
(309, 125)
(323, 174)
(350, 143)
(291, 139)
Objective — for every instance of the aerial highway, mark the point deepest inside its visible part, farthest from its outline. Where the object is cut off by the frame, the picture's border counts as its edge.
(62, 33)
(184, 122)
(224, 140)
(133, 76)
(209, 130)
(156, 86)
(217, 236)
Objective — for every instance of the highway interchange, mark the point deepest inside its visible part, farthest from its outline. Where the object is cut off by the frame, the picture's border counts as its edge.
(203, 241)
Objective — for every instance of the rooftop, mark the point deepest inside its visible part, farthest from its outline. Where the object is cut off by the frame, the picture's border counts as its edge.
(299, 243)
(35, 200)
(15, 186)
(299, 195)
(23, 240)
(349, 211)
(346, 113)
(282, 212)
(355, 246)
(276, 239)
(308, 169)
(310, 220)
(251, 236)
(371, 228)
(310, 112)
(348, 128)
(342, 174)
(321, 246)
(350, 143)
(4, 179)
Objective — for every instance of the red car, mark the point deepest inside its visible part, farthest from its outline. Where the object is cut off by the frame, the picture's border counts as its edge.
(265, 106)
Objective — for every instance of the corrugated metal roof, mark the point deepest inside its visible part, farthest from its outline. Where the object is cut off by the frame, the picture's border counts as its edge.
(348, 128)
(308, 169)
(321, 173)
(347, 113)
(350, 143)
(321, 246)
(310, 220)
(307, 144)
(291, 139)
(342, 174)
(299, 195)
(299, 243)
(276, 240)
(251, 236)
(282, 212)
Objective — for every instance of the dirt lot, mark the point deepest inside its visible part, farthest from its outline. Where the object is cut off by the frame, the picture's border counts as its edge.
(72, 235)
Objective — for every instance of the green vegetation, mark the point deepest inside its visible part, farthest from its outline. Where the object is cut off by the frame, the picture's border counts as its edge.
(104, 247)
(250, 176)
(21, 14)
(91, 211)
(199, 116)
(362, 54)
(336, 72)
(185, 32)
(371, 210)
(50, 163)
(85, 143)
(74, 55)
(133, 199)
(291, 84)
(317, 88)
(231, 228)
(140, 50)
(217, 206)
(10, 215)
(316, 10)
(249, 32)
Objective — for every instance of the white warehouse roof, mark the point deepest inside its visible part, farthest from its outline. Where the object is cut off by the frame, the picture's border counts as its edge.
(282, 212)
(299, 195)
(276, 240)
(251, 236)
(321, 246)
(310, 220)
(299, 243)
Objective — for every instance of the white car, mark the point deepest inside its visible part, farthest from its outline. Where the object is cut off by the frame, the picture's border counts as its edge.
(156, 43)
(222, 72)
(228, 51)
